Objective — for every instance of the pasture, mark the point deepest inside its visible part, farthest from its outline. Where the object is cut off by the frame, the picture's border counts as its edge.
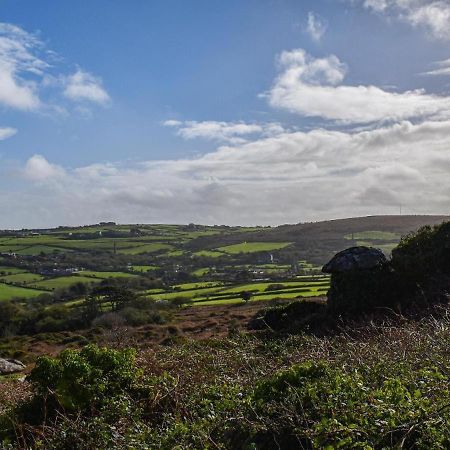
(213, 293)
(8, 292)
(374, 236)
(21, 278)
(209, 254)
(104, 275)
(63, 282)
(5, 270)
(253, 247)
(143, 269)
(145, 248)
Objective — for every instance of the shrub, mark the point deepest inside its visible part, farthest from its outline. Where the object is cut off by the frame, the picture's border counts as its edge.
(78, 380)
(319, 405)
(109, 320)
(424, 253)
(134, 317)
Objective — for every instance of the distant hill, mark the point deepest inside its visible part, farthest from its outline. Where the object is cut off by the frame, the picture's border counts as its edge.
(318, 241)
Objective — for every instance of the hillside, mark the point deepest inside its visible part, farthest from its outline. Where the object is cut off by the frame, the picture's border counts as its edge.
(155, 260)
(318, 241)
(162, 350)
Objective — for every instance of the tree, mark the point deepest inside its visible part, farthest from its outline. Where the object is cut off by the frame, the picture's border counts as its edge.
(117, 297)
(246, 296)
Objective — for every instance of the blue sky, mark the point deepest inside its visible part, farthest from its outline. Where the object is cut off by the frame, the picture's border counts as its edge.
(222, 112)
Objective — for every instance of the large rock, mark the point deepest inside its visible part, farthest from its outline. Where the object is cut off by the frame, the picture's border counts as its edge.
(361, 280)
(8, 366)
(355, 258)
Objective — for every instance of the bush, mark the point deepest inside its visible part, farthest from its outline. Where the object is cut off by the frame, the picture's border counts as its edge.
(424, 253)
(85, 379)
(295, 316)
(321, 406)
(109, 320)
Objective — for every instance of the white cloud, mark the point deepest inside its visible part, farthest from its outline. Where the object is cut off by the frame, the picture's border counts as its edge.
(291, 177)
(7, 132)
(226, 132)
(83, 86)
(38, 168)
(312, 87)
(443, 68)
(28, 69)
(19, 60)
(433, 15)
(316, 26)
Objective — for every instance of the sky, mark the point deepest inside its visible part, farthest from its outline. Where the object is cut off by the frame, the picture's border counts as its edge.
(238, 112)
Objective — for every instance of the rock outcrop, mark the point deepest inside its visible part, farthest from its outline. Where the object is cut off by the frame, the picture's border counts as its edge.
(361, 280)
(8, 366)
(355, 258)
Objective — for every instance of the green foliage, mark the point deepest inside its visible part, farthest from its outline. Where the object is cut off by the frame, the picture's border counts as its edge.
(424, 253)
(329, 407)
(383, 388)
(78, 380)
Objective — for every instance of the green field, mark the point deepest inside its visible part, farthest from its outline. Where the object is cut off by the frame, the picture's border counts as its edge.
(198, 285)
(374, 236)
(175, 253)
(5, 270)
(8, 292)
(146, 248)
(104, 275)
(200, 272)
(209, 254)
(253, 247)
(38, 249)
(385, 248)
(213, 293)
(22, 278)
(143, 269)
(62, 282)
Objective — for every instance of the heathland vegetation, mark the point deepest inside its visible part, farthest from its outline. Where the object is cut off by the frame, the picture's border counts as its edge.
(165, 336)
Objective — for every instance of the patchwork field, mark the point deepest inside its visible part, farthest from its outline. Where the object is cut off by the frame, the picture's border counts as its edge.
(63, 282)
(210, 293)
(5, 270)
(192, 254)
(22, 278)
(8, 292)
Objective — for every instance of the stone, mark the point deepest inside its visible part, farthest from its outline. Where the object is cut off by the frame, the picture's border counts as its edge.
(8, 366)
(355, 258)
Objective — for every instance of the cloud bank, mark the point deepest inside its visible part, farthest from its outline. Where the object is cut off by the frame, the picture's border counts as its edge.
(257, 172)
(286, 178)
(313, 87)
